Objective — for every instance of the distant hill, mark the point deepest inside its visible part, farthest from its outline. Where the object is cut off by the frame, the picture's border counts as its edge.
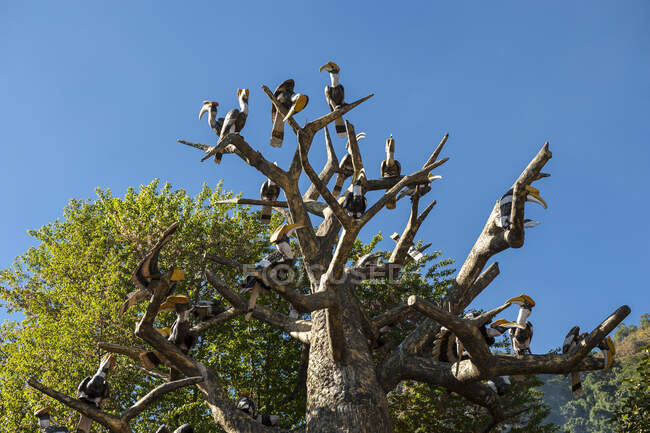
(603, 389)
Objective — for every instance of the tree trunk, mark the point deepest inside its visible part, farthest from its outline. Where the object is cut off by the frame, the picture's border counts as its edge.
(344, 396)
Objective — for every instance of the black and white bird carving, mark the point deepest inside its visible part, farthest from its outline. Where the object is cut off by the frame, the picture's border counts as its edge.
(283, 93)
(390, 167)
(270, 191)
(502, 214)
(94, 390)
(335, 95)
(45, 422)
(355, 201)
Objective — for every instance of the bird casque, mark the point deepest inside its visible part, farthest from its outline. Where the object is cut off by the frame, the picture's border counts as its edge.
(335, 95)
(45, 421)
(94, 390)
(502, 215)
(270, 191)
(147, 273)
(390, 167)
(355, 202)
(210, 107)
(283, 93)
(272, 266)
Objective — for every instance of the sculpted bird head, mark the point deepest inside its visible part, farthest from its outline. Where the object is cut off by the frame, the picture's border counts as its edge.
(532, 194)
(210, 107)
(330, 67)
(299, 102)
(390, 144)
(242, 94)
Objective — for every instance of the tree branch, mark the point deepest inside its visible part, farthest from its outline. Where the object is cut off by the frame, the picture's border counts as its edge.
(298, 329)
(333, 204)
(331, 167)
(312, 206)
(111, 422)
(155, 394)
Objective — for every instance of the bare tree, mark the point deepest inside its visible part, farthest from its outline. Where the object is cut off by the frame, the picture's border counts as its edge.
(346, 387)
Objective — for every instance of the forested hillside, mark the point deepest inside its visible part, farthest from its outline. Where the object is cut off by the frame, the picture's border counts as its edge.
(616, 400)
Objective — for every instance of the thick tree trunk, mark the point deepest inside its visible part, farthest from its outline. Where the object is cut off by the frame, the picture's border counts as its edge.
(344, 396)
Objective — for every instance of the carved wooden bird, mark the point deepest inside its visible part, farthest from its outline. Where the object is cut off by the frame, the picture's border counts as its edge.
(502, 215)
(335, 95)
(283, 94)
(148, 273)
(270, 191)
(390, 167)
(94, 390)
(210, 107)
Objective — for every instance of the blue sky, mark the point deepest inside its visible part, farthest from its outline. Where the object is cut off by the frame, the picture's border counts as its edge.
(96, 94)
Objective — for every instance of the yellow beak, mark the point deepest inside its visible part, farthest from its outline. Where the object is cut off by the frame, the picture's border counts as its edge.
(532, 192)
(204, 109)
(506, 324)
(520, 300)
(298, 105)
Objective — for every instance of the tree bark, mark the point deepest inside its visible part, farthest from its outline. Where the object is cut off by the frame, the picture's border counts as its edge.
(344, 396)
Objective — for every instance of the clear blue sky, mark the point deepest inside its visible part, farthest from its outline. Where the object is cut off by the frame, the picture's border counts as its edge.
(96, 94)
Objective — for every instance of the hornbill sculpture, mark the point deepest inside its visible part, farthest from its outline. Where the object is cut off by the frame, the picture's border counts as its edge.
(207, 309)
(210, 107)
(502, 215)
(45, 421)
(419, 189)
(94, 390)
(270, 191)
(271, 266)
(234, 121)
(247, 406)
(180, 336)
(147, 273)
(415, 253)
(390, 167)
(521, 332)
(346, 167)
(335, 95)
(283, 93)
(572, 343)
(355, 202)
(500, 384)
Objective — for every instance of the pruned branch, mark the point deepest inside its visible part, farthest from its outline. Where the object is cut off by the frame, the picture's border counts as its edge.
(312, 127)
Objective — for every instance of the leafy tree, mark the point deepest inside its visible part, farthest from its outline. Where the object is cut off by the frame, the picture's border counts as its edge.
(632, 413)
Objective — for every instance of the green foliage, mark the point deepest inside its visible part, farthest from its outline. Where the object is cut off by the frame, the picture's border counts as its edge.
(632, 413)
(615, 399)
(422, 408)
(70, 285)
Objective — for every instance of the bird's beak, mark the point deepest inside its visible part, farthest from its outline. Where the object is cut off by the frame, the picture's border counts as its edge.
(611, 351)
(532, 194)
(322, 68)
(301, 102)
(204, 109)
(506, 324)
(361, 136)
(291, 227)
(432, 177)
(177, 275)
(165, 332)
(109, 361)
(521, 300)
